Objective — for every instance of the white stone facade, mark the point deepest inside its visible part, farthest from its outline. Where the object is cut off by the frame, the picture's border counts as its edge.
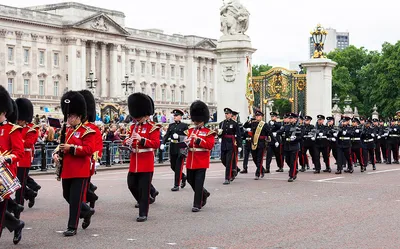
(46, 50)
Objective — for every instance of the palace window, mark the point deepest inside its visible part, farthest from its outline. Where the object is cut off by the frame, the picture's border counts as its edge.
(26, 87)
(173, 95)
(163, 96)
(11, 54)
(172, 72)
(182, 73)
(198, 74)
(56, 59)
(204, 74)
(143, 70)
(153, 93)
(132, 67)
(153, 69)
(26, 56)
(41, 87)
(10, 85)
(182, 96)
(55, 88)
(41, 57)
(163, 70)
(210, 75)
(143, 90)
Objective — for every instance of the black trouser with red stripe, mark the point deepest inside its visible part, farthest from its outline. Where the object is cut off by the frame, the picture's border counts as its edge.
(195, 178)
(343, 155)
(74, 190)
(369, 155)
(139, 184)
(325, 155)
(378, 150)
(247, 150)
(392, 148)
(258, 158)
(291, 158)
(177, 166)
(277, 151)
(7, 219)
(228, 160)
(22, 174)
(358, 154)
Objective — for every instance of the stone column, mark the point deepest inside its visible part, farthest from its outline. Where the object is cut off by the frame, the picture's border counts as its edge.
(103, 70)
(190, 78)
(93, 57)
(123, 68)
(18, 60)
(232, 73)
(49, 86)
(319, 86)
(114, 86)
(72, 65)
(83, 64)
(3, 59)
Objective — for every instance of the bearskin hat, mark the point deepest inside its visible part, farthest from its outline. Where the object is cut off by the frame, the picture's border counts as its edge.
(5, 101)
(25, 109)
(12, 117)
(140, 105)
(199, 112)
(90, 105)
(72, 102)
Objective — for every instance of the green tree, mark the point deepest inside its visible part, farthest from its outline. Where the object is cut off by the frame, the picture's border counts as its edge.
(282, 106)
(258, 69)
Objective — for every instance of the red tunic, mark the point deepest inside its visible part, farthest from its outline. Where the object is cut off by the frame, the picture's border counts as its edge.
(199, 149)
(30, 135)
(11, 145)
(98, 145)
(142, 155)
(78, 165)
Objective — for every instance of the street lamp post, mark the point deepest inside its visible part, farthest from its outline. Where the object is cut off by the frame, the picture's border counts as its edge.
(91, 82)
(126, 84)
(318, 38)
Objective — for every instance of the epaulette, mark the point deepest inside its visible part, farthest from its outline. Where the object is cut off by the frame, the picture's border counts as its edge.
(186, 132)
(211, 132)
(88, 130)
(155, 127)
(35, 127)
(14, 128)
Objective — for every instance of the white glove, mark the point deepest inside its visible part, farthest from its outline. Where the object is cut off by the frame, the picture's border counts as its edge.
(162, 147)
(219, 131)
(313, 138)
(220, 140)
(395, 129)
(248, 129)
(372, 135)
(335, 134)
(274, 134)
(357, 131)
(320, 134)
(271, 122)
(175, 136)
(333, 139)
(96, 165)
(379, 137)
(276, 144)
(292, 138)
(344, 132)
(240, 149)
(386, 134)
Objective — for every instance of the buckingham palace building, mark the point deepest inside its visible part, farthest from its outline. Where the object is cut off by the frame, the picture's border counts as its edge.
(47, 50)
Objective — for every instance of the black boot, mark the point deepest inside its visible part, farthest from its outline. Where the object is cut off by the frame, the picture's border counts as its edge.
(317, 171)
(206, 194)
(338, 172)
(226, 182)
(303, 169)
(175, 188)
(69, 232)
(279, 170)
(183, 183)
(373, 167)
(87, 219)
(18, 233)
(327, 170)
(244, 171)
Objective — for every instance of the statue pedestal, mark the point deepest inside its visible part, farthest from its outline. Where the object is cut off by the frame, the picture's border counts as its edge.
(232, 51)
(319, 87)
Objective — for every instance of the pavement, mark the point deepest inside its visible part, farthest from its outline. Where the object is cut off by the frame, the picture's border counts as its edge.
(359, 210)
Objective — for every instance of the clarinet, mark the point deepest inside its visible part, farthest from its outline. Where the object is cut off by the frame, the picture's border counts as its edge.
(62, 141)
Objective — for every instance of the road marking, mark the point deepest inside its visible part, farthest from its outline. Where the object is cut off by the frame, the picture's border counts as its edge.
(131, 239)
(328, 179)
(382, 171)
(95, 235)
(171, 244)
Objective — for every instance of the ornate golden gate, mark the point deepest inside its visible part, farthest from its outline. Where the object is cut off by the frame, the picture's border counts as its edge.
(280, 83)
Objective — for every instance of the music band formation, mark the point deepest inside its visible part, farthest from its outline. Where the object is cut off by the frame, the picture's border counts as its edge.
(81, 146)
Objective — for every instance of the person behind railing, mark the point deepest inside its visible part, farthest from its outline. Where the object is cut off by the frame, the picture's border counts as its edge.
(113, 135)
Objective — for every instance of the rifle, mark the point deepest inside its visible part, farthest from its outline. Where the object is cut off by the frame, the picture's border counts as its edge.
(294, 129)
(59, 166)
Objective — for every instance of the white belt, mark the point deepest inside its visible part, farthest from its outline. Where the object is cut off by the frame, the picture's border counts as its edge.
(308, 136)
(321, 137)
(142, 150)
(26, 149)
(356, 139)
(393, 135)
(174, 141)
(197, 149)
(248, 139)
(344, 138)
(369, 140)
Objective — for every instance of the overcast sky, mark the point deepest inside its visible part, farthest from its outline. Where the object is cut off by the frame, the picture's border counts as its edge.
(279, 29)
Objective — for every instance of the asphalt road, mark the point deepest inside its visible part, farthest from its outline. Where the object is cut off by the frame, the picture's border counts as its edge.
(359, 210)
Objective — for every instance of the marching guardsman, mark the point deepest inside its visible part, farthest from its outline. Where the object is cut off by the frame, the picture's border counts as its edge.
(322, 145)
(383, 140)
(392, 134)
(291, 144)
(275, 145)
(30, 135)
(356, 142)
(200, 141)
(368, 138)
(175, 135)
(11, 151)
(260, 132)
(229, 133)
(76, 164)
(91, 197)
(330, 126)
(378, 130)
(239, 149)
(344, 146)
(308, 144)
(247, 136)
(144, 139)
